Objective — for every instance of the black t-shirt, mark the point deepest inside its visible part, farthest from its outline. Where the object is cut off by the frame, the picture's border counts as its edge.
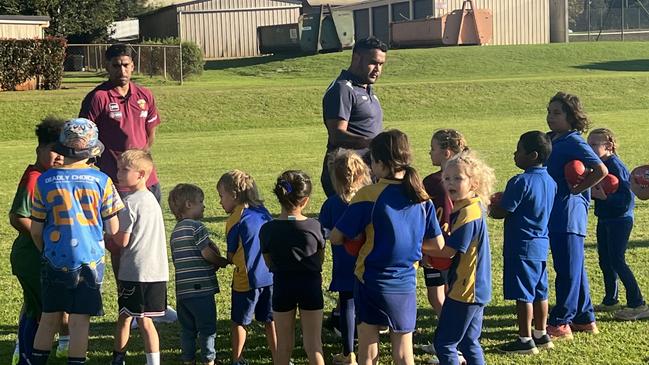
(293, 246)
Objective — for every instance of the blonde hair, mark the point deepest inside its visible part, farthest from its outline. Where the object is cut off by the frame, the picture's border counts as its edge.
(138, 159)
(348, 173)
(608, 135)
(180, 195)
(242, 186)
(481, 176)
(450, 139)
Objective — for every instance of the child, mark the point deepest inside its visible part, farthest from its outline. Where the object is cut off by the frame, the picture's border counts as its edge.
(25, 258)
(293, 248)
(468, 181)
(72, 204)
(348, 173)
(526, 204)
(252, 283)
(196, 259)
(396, 216)
(143, 267)
(569, 217)
(614, 224)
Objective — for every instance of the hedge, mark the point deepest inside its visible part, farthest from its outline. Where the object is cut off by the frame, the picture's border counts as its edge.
(193, 61)
(24, 59)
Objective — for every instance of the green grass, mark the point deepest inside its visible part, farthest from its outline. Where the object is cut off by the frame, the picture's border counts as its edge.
(264, 116)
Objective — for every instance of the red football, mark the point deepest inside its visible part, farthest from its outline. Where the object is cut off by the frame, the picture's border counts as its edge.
(496, 198)
(111, 246)
(641, 175)
(609, 184)
(574, 172)
(353, 245)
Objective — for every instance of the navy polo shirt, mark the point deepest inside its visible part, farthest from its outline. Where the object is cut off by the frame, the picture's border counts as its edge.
(528, 198)
(621, 203)
(570, 212)
(347, 98)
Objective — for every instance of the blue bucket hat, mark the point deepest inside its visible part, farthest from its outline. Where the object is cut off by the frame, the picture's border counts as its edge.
(79, 138)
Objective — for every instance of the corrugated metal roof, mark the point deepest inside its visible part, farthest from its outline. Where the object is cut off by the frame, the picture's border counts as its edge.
(193, 2)
(26, 18)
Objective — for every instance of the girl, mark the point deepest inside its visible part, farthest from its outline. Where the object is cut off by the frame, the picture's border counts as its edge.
(293, 247)
(469, 182)
(396, 216)
(569, 217)
(614, 224)
(348, 174)
(251, 281)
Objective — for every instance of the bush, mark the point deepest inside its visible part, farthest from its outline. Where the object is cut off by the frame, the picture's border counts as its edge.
(192, 59)
(32, 58)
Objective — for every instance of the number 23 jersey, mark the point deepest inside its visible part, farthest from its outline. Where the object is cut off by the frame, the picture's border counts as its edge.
(72, 202)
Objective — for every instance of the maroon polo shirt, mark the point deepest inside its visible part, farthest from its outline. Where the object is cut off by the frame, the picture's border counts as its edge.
(123, 122)
(443, 206)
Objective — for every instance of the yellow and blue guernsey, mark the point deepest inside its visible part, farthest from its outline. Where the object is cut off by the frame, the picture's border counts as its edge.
(395, 229)
(72, 202)
(242, 236)
(470, 273)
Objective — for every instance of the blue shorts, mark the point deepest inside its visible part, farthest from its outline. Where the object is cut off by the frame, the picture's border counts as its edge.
(254, 301)
(395, 310)
(293, 290)
(71, 292)
(525, 280)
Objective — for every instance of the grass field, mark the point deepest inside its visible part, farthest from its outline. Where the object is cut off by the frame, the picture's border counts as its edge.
(264, 116)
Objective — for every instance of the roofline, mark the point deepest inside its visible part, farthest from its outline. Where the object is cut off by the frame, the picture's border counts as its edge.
(22, 19)
(152, 12)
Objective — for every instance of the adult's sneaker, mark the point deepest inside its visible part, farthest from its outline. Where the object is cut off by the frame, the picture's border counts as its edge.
(590, 327)
(340, 359)
(560, 332)
(543, 342)
(632, 314)
(519, 347)
(428, 348)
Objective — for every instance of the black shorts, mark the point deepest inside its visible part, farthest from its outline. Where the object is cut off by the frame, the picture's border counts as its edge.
(77, 292)
(434, 277)
(292, 290)
(139, 300)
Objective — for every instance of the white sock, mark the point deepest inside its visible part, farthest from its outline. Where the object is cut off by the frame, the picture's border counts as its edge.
(153, 358)
(64, 341)
(525, 339)
(539, 333)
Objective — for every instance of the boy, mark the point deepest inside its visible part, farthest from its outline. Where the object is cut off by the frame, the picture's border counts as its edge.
(25, 258)
(72, 204)
(526, 205)
(196, 259)
(143, 268)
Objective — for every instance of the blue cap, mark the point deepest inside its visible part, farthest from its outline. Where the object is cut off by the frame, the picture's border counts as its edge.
(79, 138)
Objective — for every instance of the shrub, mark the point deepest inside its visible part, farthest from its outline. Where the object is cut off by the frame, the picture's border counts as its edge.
(192, 59)
(32, 58)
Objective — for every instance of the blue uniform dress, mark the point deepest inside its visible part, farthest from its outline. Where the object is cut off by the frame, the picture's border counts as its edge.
(72, 202)
(252, 282)
(528, 198)
(568, 223)
(348, 99)
(342, 273)
(614, 225)
(395, 228)
(460, 323)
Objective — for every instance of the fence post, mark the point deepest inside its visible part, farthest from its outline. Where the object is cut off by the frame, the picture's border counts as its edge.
(164, 61)
(181, 62)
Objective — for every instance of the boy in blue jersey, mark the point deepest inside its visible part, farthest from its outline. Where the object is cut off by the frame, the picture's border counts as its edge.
(73, 204)
(526, 205)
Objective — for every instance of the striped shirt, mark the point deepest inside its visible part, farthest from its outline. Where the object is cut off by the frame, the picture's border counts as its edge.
(195, 276)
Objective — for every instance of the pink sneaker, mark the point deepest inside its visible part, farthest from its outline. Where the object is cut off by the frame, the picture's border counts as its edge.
(587, 328)
(560, 332)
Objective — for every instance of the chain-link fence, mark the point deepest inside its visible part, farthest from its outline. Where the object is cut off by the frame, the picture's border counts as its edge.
(595, 20)
(148, 59)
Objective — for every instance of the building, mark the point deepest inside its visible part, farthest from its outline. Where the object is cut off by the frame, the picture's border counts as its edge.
(514, 21)
(222, 28)
(23, 27)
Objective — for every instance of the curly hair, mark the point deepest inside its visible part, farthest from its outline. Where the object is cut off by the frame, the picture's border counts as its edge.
(242, 186)
(49, 129)
(482, 176)
(348, 173)
(574, 109)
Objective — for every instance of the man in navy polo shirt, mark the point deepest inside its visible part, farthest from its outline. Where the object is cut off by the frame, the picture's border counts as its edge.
(350, 109)
(124, 113)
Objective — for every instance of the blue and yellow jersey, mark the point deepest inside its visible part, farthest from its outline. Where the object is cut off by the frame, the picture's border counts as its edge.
(395, 229)
(242, 236)
(342, 272)
(72, 202)
(470, 273)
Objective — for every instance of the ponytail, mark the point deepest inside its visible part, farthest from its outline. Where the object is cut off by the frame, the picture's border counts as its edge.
(414, 186)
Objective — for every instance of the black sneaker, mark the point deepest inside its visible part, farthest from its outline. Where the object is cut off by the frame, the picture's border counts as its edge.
(519, 347)
(544, 342)
(119, 358)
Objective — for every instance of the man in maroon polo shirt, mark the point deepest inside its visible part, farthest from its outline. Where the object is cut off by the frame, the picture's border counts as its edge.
(124, 113)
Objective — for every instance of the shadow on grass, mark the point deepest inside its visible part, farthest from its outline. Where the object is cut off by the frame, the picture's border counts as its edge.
(639, 244)
(626, 65)
(246, 62)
